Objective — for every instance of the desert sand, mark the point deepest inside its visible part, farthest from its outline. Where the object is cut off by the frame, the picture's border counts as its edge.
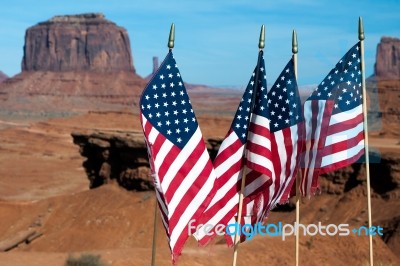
(43, 188)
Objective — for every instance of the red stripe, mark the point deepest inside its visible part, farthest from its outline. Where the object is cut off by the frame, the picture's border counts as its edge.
(147, 128)
(287, 160)
(321, 143)
(164, 215)
(259, 130)
(222, 202)
(188, 198)
(276, 163)
(182, 173)
(232, 170)
(343, 163)
(159, 141)
(228, 152)
(213, 210)
(167, 161)
(258, 149)
(184, 235)
(345, 125)
(343, 145)
(260, 188)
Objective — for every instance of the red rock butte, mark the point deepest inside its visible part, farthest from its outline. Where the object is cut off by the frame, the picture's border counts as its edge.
(74, 63)
(387, 59)
(77, 42)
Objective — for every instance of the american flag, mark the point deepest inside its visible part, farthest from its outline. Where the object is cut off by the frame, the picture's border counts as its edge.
(334, 131)
(230, 164)
(183, 172)
(282, 107)
(272, 122)
(287, 126)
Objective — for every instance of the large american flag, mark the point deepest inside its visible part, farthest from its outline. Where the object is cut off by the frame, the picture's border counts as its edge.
(183, 172)
(334, 131)
(265, 150)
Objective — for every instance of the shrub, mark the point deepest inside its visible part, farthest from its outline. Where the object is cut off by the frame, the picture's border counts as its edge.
(84, 260)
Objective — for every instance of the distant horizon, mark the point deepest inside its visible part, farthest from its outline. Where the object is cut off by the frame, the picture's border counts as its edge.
(216, 42)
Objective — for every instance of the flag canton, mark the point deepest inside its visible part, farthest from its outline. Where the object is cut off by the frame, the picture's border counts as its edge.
(165, 103)
(241, 121)
(343, 83)
(284, 104)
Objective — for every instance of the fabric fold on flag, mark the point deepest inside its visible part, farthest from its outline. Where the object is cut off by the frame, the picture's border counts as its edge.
(334, 122)
(181, 166)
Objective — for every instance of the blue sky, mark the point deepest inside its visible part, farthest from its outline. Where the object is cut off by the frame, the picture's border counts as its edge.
(217, 41)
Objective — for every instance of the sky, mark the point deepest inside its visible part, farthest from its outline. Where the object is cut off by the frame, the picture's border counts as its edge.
(216, 41)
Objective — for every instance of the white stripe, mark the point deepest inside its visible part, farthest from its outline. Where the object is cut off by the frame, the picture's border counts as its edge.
(347, 115)
(227, 164)
(191, 209)
(282, 154)
(228, 141)
(231, 182)
(344, 135)
(308, 137)
(293, 162)
(180, 159)
(258, 182)
(152, 135)
(163, 208)
(342, 155)
(218, 216)
(162, 203)
(248, 213)
(260, 210)
(188, 181)
(260, 120)
(162, 154)
(144, 121)
(260, 160)
(260, 140)
(311, 164)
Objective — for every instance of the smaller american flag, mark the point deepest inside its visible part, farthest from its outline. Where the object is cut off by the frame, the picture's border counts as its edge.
(279, 113)
(230, 163)
(334, 131)
(182, 170)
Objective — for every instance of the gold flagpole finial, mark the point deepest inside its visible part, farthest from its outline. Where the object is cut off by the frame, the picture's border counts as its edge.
(295, 47)
(171, 39)
(261, 43)
(361, 35)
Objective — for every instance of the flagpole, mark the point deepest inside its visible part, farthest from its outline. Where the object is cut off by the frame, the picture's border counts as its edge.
(153, 251)
(171, 43)
(361, 37)
(295, 50)
(261, 45)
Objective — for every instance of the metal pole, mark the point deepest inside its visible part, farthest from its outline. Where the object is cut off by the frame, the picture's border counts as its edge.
(295, 50)
(153, 251)
(361, 37)
(171, 43)
(261, 45)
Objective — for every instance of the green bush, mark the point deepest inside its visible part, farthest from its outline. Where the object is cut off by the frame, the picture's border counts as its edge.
(84, 260)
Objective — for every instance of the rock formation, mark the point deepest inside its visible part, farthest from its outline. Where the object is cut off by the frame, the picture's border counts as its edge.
(120, 157)
(73, 64)
(75, 43)
(3, 76)
(388, 58)
(126, 154)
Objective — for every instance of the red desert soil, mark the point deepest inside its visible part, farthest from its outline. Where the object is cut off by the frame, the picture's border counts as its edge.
(44, 188)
